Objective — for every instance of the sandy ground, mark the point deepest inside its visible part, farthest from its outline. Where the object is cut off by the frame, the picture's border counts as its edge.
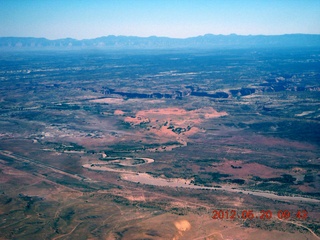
(118, 112)
(173, 124)
(108, 100)
(245, 170)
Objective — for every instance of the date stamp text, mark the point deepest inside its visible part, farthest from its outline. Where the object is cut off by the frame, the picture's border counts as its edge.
(262, 214)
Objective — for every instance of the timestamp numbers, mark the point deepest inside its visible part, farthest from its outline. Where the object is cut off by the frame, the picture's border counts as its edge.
(263, 214)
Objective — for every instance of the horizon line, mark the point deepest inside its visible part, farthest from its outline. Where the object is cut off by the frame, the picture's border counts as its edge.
(155, 36)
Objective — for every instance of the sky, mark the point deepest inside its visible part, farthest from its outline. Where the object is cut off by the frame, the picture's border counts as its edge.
(85, 19)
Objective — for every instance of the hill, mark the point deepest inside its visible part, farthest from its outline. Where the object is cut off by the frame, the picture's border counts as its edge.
(208, 41)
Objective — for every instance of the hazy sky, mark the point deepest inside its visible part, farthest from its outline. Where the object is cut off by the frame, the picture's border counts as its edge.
(172, 18)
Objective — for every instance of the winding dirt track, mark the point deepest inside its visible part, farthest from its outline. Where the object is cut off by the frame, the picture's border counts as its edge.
(145, 178)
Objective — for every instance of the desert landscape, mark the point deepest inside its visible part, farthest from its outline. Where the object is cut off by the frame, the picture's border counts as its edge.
(149, 144)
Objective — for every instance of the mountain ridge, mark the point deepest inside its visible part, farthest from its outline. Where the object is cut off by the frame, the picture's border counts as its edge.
(207, 41)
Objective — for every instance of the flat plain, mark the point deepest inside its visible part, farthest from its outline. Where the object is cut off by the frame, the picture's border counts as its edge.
(148, 144)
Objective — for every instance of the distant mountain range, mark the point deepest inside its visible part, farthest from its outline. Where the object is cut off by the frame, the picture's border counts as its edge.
(208, 41)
